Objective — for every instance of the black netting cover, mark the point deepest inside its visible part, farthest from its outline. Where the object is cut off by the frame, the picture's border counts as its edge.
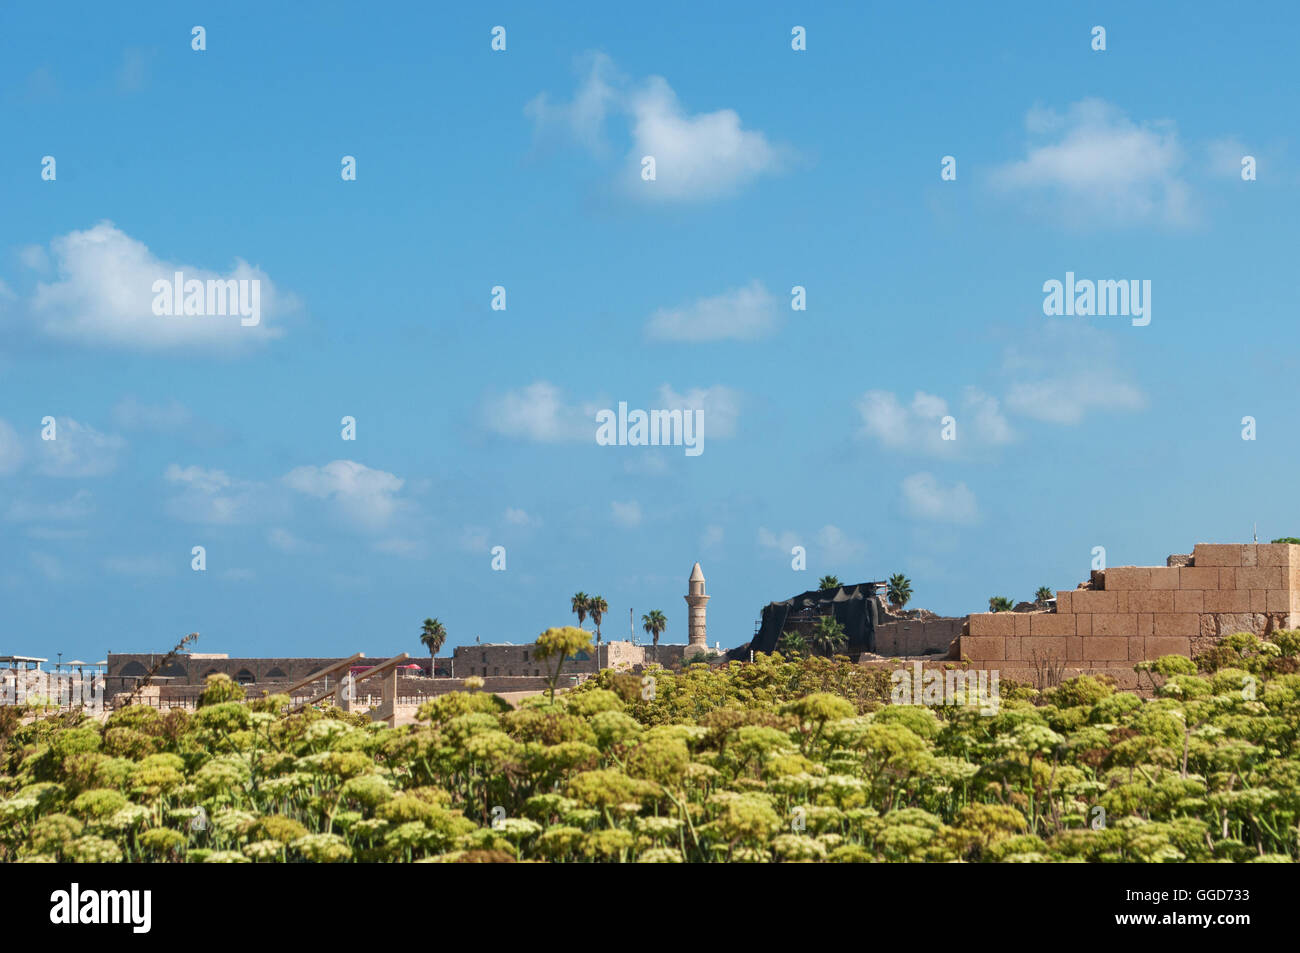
(857, 608)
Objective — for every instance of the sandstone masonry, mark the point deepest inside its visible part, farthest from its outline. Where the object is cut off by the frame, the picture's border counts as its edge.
(1127, 614)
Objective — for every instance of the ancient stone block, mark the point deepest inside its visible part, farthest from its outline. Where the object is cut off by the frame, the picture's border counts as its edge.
(1190, 600)
(1277, 554)
(1083, 624)
(1227, 600)
(1106, 624)
(1197, 577)
(1020, 623)
(1011, 649)
(1092, 601)
(983, 648)
(1249, 555)
(1146, 623)
(1165, 577)
(1044, 647)
(1261, 577)
(1279, 600)
(1127, 577)
(992, 623)
(1157, 646)
(1063, 601)
(1217, 554)
(1105, 647)
(1137, 650)
(1074, 648)
(1157, 600)
(1227, 579)
(1176, 623)
(1259, 600)
(1179, 559)
(1051, 623)
(1228, 623)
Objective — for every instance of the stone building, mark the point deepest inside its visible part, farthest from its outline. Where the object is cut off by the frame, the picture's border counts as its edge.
(1127, 614)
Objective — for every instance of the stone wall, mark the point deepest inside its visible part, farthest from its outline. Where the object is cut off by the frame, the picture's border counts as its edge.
(1127, 614)
(503, 659)
(917, 637)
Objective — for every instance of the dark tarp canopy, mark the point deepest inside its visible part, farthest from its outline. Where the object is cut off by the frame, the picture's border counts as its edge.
(857, 608)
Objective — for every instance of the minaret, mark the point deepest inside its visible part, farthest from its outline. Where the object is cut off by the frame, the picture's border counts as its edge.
(696, 600)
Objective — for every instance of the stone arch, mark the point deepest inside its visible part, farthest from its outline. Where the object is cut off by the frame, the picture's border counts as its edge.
(133, 668)
(276, 673)
(244, 676)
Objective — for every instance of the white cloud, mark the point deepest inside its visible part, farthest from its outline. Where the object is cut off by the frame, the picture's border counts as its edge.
(518, 517)
(141, 566)
(76, 507)
(721, 406)
(398, 546)
(697, 156)
(925, 497)
(48, 566)
(475, 539)
(170, 417)
(740, 313)
(103, 295)
(1223, 158)
(365, 497)
(712, 537)
(627, 515)
(213, 496)
(539, 413)
(206, 481)
(918, 427)
(584, 118)
(11, 449)
(830, 544)
(836, 546)
(1082, 377)
(78, 451)
(1094, 164)
(286, 541)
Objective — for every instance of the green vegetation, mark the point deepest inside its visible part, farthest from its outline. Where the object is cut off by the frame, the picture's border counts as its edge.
(828, 582)
(1043, 595)
(1000, 604)
(780, 760)
(899, 590)
(1287, 539)
(654, 624)
(433, 635)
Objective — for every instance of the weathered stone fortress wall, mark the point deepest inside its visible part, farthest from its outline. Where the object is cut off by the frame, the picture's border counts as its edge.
(1133, 613)
(917, 637)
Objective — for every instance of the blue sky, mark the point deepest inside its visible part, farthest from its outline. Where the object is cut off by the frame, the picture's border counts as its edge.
(475, 428)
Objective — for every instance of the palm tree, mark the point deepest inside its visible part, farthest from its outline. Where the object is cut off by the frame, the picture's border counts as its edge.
(900, 589)
(654, 623)
(579, 605)
(1043, 595)
(433, 636)
(597, 606)
(828, 635)
(791, 643)
(828, 582)
(1000, 604)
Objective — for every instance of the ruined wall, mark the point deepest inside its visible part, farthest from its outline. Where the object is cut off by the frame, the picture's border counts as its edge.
(917, 637)
(1133, 613)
